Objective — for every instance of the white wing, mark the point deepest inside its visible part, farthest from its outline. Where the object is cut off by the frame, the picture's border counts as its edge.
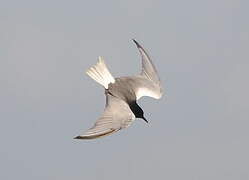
(117, 115)
(149, 81)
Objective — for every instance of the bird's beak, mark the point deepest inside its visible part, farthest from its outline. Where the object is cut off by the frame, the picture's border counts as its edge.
(145, 119)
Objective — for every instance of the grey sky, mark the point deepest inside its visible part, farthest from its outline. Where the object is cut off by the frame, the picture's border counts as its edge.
(199, 131)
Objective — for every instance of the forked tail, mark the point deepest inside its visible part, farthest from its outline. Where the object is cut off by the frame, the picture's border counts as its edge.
(100, 73)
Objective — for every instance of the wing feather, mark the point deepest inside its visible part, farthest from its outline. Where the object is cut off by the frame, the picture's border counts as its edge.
(117, 115)
(149, 81)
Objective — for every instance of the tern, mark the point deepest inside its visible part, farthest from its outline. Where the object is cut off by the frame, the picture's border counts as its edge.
(122, 93)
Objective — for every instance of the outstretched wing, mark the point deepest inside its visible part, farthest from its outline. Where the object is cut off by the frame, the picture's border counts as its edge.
(117, 115)
(149, 81)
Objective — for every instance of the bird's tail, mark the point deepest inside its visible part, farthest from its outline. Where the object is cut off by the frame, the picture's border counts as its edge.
(100, 73)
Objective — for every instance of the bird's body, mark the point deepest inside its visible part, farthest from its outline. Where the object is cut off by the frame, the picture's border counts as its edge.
(122, 94)
(121, 89)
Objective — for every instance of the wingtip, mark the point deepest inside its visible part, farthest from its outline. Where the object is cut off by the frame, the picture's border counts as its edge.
(78, 137)
(137, 44)
(83, 137)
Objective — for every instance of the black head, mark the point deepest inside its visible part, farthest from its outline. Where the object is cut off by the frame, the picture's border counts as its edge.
(137, 111)
(140, 114)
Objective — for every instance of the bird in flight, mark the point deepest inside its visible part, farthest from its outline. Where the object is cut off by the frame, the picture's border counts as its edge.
(122, 93)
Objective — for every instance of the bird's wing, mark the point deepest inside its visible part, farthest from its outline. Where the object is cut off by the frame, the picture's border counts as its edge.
(151, 86)
(117, 115)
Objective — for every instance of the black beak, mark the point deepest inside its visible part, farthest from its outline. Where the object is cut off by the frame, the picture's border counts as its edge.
(145, 119)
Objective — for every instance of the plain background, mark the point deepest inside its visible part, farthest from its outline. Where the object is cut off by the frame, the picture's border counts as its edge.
(198, 130)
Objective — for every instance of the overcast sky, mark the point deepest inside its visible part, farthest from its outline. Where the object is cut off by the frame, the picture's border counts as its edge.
(198, 130)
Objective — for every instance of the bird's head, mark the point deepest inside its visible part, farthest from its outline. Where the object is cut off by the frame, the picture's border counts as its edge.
(140, 114)
(137, 110)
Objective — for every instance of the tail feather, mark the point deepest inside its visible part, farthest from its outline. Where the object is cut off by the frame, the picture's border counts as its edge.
(100, 73)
